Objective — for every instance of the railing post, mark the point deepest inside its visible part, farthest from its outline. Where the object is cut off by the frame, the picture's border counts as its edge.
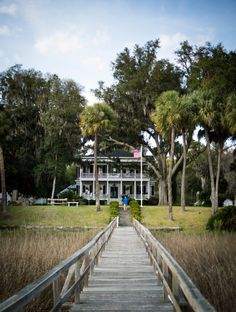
(166, 276)
(56, 291)
(77, 277)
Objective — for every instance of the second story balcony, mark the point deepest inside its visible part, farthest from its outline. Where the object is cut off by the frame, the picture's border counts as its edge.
(113, 176)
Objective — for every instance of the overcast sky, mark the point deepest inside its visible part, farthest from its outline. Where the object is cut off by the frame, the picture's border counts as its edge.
(79, 39)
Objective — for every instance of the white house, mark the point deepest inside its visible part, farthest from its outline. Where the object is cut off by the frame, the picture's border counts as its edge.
(119, 174)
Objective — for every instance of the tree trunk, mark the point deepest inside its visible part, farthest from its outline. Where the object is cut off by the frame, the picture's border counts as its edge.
(213, 200)
(183, 174)
(54, 179)
(162, 192)
(97, 190)
(53, 186)
(219, 154)
(170, 196)
(3, 181)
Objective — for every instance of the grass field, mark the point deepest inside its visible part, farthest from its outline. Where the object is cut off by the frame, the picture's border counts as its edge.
(55, 216)
(191, 221)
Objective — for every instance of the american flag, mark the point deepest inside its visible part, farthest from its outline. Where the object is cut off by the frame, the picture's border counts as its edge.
(137, 153)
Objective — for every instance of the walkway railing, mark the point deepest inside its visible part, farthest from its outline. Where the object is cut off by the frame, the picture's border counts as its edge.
(78, 266)
(177, 285)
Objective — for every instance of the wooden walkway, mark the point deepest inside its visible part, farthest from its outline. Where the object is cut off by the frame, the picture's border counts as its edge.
(123, 280)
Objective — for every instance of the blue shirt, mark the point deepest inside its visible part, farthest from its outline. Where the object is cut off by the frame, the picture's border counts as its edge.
(126, 200)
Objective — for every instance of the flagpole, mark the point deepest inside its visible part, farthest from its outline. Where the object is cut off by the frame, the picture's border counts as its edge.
(141, 175)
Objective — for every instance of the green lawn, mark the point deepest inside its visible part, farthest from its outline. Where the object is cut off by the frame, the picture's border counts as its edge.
(55, 216)
(192, 221)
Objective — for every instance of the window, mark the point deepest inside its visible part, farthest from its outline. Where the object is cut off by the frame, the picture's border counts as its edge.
(152, 190)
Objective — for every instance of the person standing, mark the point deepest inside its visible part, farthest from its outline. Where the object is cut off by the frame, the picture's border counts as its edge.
(125, 202)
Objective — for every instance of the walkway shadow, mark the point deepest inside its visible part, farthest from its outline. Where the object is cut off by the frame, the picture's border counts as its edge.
(125, 217)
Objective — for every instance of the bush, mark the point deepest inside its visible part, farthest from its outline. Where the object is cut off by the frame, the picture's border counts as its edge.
(152, 201)
(223, 220)
(83, 201)
(114, 209)
(67, 194)
(135, 210)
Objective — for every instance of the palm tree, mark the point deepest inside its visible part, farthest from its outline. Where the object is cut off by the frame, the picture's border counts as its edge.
(166, 118)
(187, 124)
(230, 116)
(4, 126)
(213, 118)
(95, 120)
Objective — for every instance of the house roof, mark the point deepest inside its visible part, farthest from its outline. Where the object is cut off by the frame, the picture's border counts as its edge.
(120, 153)
(112, 154)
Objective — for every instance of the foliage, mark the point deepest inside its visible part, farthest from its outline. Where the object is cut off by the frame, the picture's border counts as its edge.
(114, 209)
(97, 120)
(139, 79)
(152, 201)
(68, 194)
(223, 220)
(44, 136)
(135, 210)
(210, 74)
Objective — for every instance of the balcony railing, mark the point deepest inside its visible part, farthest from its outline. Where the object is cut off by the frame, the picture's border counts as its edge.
(112, 175)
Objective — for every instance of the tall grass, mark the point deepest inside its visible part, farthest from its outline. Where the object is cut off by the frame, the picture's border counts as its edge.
(210, 261)
(26, 255)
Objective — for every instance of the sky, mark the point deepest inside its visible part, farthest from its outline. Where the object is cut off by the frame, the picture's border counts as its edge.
(79, 39)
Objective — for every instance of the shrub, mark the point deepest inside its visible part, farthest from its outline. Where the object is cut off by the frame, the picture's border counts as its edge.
(223, 220)
(135, 210)
(67, 194)
(83, 201)
(152, 201)
(114, 209)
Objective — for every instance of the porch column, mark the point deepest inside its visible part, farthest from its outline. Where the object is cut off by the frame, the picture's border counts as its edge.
(80, 188)
(108, 192)
(80, 182)
(135, 187)
(93, 189)
(121, 184)
(148, 185)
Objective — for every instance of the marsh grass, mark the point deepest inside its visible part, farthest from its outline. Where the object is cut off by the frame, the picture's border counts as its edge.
(210, 261)
(26, 255)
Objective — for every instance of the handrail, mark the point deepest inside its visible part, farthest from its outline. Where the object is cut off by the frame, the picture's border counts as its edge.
(79, 265)
(178, 286)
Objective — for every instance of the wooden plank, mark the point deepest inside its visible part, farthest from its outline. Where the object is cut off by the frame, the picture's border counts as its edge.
(123, 279)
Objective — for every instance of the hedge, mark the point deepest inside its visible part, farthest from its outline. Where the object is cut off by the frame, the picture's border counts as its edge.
(223, 220)
(114, 209)
(135, 210)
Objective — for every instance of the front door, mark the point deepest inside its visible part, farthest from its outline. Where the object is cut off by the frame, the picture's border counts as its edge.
(114, 192)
